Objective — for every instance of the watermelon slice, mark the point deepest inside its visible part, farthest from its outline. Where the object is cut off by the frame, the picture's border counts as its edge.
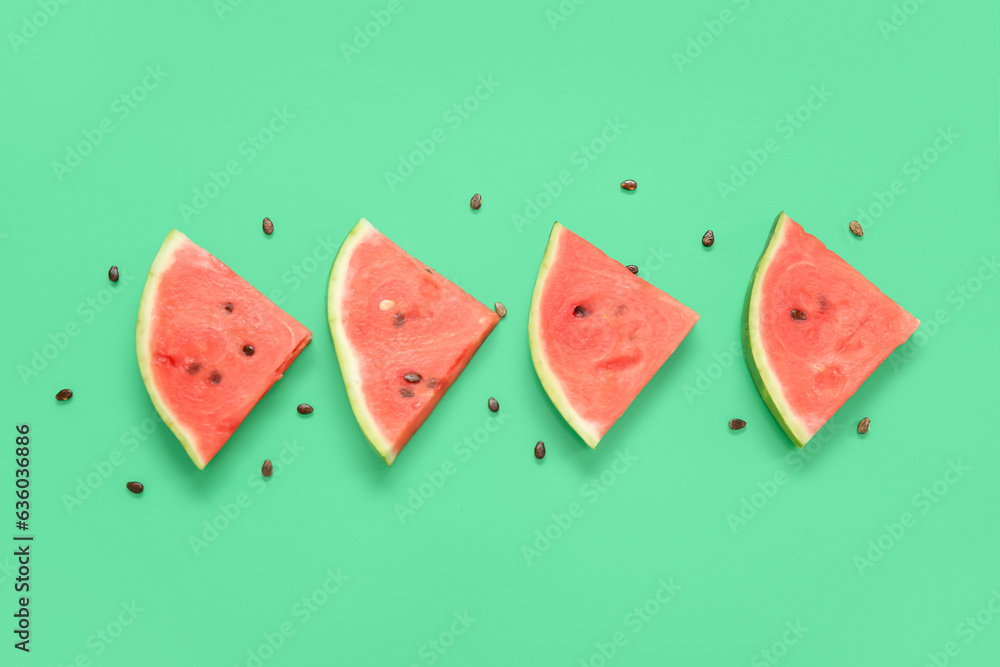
(403, 335)
(808, 363)
(598, 333)
(195, 319)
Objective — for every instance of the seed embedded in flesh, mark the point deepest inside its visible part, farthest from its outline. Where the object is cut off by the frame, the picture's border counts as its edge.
(215, 377)
(134, 487)
(412, 377)
(113, 274)
(304, 408)
(386, 304)
(708, 239)
(494, 404)
(228, 306)
(797, 315)
(406, 392)
(432, 382)
(64, 395)
(580, 311)
(267, 468)
(736, 424)
(629, 184)
(633, 268)
(863, 425)
(540, 450)
(476, 202)
(500, 308)
(193, 367)
(268, 226)
(398, 320)
(856, 228)
(248, 350)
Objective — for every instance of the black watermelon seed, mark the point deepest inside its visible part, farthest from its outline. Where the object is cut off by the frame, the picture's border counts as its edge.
(863, 425)
(540, 450)
(406, 392)
(304, 408)
(113, 274)
(134, 487)
(228, 306)
(412, 377)
(64, 395)
(856, 228)
(580, 311)
(267, 468)
(248, 350)
(798, 315)
(633, 268)
(629, 184)
(398, 320)
(476, 201)
(215, 377)
(500, 308)
(193, 367)
(268, 226)
(494, 404)
(432, 382)
(736, 424)
(708, 239)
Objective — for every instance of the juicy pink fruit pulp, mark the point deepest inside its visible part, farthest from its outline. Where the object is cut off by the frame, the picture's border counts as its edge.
(849, 329)
(194, 339)
(402, 318)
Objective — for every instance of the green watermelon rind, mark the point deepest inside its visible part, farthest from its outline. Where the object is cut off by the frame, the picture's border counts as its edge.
(753, 350)
(546, 375)
(147, 304)
(346, 356)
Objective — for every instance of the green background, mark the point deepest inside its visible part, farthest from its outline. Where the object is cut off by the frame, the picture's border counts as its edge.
(889, 90)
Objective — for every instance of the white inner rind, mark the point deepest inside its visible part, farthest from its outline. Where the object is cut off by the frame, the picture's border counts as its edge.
(586, 429)
(760, 356)
(347, 356)
(143, 329)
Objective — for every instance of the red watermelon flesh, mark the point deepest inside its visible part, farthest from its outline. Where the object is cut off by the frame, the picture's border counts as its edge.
(391, 317)
(598, 333)
(196, 318)
(807, 367)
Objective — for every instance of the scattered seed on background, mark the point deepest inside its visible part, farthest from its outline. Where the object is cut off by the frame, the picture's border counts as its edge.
(134, 487)
(797, 315)
(494, 405)
(856, 228)
(629, 185)
(412, 377)
(476, 201)
(304, 408)
(64, 395)
(579, 311)
(267, 468)
(736, 424)
(113, 274)
(500, 308)
(268, 226)
(540, 450)
(863, 425)
(633, 268)
(708, 239)
(248, 350)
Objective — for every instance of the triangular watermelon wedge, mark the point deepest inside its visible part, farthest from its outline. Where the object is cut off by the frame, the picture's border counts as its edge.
(807, 364)
(196, 321)
(598, 333)
(403, 335)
